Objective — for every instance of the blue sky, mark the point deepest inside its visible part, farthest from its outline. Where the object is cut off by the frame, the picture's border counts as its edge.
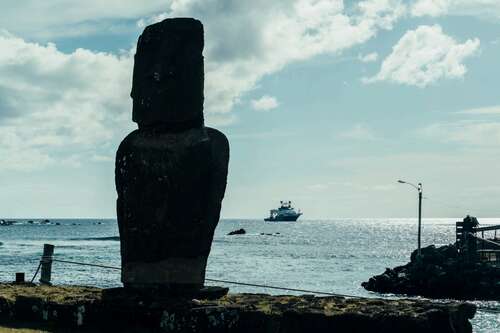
(326, 103)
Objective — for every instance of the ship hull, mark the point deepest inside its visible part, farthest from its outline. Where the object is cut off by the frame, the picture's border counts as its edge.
(282, 218)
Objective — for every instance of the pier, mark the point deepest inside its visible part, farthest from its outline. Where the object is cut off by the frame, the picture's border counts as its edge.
(473, 247)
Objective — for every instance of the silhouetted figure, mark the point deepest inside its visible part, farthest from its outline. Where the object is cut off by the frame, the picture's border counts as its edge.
(171, 172)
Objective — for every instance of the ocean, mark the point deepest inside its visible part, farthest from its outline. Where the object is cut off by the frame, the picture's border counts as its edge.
(320, 255)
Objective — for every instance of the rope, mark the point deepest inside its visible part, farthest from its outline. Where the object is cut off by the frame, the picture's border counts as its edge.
(221, 281)
(85, 264)
(283, 288)
(36, 273)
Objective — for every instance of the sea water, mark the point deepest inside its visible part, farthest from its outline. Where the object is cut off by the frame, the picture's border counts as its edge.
(320, 255)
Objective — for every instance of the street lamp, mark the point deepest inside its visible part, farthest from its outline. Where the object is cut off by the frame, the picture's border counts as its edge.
(419, 189)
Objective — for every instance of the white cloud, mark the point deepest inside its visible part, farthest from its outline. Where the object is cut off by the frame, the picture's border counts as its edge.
(63, 18)
(45, 20)
(424, 56)
(143, 22)
(102, 158)
(465, 132)
(486, 110)
(265, 103)
(430, 7)
(473, 132)
(52, 103)
(483, 9)
(341, 186)
(370, 57)
(358, 132)
(249, 40)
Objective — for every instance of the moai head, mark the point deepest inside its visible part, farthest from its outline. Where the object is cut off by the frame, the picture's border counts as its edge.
(167, 87)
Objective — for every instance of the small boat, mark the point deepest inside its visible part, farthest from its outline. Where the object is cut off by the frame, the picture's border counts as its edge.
(286, 213)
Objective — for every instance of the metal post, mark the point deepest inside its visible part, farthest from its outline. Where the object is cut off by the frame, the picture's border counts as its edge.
(46, 262)
(419, 216)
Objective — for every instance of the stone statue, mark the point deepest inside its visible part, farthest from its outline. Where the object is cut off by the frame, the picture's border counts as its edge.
(171, 172)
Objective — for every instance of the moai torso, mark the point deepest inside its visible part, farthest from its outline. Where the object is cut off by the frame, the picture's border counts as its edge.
(171, 172)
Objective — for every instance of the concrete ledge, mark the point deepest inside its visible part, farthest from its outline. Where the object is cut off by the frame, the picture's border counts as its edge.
(87, 309)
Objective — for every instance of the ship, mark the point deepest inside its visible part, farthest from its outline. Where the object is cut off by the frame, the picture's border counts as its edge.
(286, 213)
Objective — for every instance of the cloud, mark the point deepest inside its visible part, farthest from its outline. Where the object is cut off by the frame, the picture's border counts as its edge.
(143, 22)
(246, 41)
(370, 57)
(475, 132)
(424, 56)
(340, 186)
(358, 132)
(265, 103)
(45, 20)
(262, 135)
(102, 158)
(65, 18)
(486, 110)
(55, 103)
(482, 9)
(430, 7)
(465, 132)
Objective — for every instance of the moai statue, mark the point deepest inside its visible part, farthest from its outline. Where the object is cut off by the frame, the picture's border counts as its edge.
(171, 172)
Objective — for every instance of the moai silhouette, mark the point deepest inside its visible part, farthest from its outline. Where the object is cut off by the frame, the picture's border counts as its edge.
(171, 172)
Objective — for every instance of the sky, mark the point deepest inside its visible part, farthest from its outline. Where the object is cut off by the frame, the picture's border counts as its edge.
(326, 103)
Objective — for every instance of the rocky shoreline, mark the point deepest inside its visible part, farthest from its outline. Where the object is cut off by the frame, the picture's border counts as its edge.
(440, 273)
(91, 310)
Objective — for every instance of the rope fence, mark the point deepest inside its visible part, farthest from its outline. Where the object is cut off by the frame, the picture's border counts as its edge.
(47, 259)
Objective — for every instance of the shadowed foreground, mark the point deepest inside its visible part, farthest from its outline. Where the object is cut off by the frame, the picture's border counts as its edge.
(88, 309)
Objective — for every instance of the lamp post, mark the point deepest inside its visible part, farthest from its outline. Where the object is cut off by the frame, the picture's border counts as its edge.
(419, 189)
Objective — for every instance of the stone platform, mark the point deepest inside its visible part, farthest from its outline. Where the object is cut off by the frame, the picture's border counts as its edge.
(88, 309)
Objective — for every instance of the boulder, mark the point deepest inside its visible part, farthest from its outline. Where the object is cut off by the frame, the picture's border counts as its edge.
(439, 274)
(237, 232)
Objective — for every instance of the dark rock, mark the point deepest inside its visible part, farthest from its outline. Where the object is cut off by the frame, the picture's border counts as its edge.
(90, 309)
(237, 232)
(170, 173)
(439, 273)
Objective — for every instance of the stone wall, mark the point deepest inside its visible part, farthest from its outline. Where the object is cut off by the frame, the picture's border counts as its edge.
(89, 309)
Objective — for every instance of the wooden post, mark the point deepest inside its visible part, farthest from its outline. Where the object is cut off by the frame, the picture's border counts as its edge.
(19, 277)
(48, 252)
